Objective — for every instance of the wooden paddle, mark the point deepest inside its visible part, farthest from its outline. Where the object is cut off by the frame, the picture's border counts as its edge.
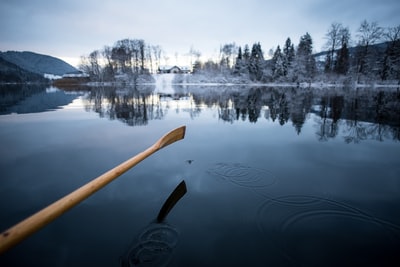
(38, 220)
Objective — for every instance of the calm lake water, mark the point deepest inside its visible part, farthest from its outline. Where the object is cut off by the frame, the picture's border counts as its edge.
(274, 176)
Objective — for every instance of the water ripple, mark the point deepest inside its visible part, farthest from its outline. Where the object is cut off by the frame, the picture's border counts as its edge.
(333, 229)
(295, 208)
(154, 247)
(243, 175)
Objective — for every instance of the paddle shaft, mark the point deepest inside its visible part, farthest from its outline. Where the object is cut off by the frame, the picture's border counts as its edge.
(20, 231)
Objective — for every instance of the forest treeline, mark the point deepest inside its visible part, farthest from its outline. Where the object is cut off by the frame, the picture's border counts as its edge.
(375, 55)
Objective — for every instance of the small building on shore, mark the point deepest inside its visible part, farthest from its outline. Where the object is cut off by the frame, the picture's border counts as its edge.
(173, 69)
(76, 74)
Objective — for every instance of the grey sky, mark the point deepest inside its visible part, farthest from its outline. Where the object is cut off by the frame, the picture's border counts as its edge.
(71, 28)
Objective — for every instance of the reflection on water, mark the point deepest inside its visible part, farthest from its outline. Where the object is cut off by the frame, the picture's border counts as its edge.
(156, 242)
(357, 114)
(273, 181)
(360, 114)
(25, 98)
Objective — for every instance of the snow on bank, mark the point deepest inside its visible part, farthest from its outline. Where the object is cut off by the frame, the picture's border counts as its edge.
(52, 76)
(168, 82)
(229, 80)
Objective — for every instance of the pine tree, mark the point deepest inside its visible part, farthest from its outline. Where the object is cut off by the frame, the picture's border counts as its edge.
(239, 62)
(342, 63)
(328, 63)
(246, 53)
(306, 66)
(256, 62)
(288, 56)
(278, 69)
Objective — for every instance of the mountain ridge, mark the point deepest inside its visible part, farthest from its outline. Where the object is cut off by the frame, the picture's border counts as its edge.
(37, 63)
(12, 73)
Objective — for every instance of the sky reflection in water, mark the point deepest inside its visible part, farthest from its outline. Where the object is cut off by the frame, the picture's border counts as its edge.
(275, 176)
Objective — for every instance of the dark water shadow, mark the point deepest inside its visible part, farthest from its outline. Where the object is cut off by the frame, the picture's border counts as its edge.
(310, 230)
(307, 230)
(156, 242)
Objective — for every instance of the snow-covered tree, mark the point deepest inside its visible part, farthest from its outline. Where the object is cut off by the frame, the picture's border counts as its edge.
(256, 62)
(305, 62)
(391, 61)
(278, 69)
(246, 53)
(227, 52)
(239, 62)
(288, 56)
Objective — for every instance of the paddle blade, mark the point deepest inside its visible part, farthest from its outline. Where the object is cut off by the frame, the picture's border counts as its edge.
(175, 196)
(171, 137)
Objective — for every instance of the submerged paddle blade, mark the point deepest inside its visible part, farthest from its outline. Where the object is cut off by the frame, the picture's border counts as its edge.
(175, 196)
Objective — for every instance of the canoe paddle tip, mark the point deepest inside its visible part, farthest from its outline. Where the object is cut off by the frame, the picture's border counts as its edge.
(171, 137)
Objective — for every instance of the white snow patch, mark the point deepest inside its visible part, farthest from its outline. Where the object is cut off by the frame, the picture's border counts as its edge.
(52, 76)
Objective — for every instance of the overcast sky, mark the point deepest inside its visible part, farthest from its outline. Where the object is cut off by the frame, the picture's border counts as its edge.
(68, 29)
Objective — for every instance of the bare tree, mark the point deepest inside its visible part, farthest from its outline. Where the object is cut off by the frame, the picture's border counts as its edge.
(336, 37)
(109, 68)
(90, 64)
(227, 55)
(194, 53)
(368, 34)
(157, 55)
(333, 42)
(391, 61)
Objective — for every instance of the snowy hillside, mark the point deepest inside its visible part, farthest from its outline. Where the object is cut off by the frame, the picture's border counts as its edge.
(37, 63)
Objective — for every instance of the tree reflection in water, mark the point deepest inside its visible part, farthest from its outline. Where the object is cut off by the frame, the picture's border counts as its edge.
(357, 115)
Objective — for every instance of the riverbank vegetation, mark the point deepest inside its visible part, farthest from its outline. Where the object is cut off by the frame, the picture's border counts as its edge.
(373, 55)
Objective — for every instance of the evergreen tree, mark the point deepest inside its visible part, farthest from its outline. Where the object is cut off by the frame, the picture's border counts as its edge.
(246, 53)
(278, 69)
(328, 63)
(256, 62)
(239, 62)
(288, 56)
(306, 66)
(197, 66)
(342, 63)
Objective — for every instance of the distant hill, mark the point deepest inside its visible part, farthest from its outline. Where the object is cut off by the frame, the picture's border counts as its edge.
(11, 73)
(37, 63)
(378, 48)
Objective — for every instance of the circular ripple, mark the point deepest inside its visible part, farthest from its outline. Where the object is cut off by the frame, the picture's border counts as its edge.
(330, 229)
(149, 253)
(154, 247)
(292, 209)
(243, 175)
(160, 232)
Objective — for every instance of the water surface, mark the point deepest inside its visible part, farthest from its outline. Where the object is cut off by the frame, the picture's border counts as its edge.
(275, 176)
